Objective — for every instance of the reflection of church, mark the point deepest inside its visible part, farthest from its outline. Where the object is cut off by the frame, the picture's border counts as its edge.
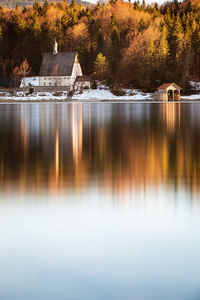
(77, 132)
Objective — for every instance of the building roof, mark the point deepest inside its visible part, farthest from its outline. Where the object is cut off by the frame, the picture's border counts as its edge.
(83, 78)
(166, 85)
(60, 64)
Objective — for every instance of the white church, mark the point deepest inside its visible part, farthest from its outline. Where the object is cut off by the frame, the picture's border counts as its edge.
(59, 69)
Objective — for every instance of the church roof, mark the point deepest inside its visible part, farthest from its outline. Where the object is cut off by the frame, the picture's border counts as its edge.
(60, 64)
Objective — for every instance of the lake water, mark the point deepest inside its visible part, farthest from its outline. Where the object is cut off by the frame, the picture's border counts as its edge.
(100, 201)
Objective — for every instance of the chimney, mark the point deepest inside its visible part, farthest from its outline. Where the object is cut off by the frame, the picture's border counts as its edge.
(55, 48)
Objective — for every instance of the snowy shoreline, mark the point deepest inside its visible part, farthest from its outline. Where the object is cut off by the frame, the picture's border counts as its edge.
(101, 94)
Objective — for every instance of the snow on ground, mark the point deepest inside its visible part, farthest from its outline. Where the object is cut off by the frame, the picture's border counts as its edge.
(191, 97)
(195, 85)
(100, 94)
(23, 96)
(105, 94)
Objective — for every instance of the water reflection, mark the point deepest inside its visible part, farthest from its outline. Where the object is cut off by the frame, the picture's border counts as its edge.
(106, 201)
(116, 147)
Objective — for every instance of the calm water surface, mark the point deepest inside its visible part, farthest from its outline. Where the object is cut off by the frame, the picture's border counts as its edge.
(100, 201)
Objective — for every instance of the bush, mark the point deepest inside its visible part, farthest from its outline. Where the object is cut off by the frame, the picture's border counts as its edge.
(94, 85)
(70, 94)
(117, 92)
(109, 82)
(188, 88)
(30, 90)
(57, 94)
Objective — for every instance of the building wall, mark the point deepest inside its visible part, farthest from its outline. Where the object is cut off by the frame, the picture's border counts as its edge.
(161, 95)
(30, 81)
(82, 84)
(56, 81)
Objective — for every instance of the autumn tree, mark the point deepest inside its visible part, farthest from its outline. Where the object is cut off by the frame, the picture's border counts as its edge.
(22, 71)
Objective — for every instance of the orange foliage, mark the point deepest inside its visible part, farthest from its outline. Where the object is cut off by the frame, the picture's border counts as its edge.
(53, 14)
(139, 45)
(76, 36)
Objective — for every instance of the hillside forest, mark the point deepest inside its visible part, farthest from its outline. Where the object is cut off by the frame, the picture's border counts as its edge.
(123, 43)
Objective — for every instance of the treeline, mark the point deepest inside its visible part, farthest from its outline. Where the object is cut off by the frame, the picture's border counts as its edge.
(126, 43)
(23, 3)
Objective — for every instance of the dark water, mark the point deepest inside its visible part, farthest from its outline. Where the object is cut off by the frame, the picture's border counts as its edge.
(100, 201)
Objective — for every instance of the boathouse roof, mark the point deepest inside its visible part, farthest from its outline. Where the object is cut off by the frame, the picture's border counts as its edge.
(167, 85)
(60, 64)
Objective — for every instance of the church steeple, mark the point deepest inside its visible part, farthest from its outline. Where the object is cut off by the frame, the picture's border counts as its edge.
(55, 48)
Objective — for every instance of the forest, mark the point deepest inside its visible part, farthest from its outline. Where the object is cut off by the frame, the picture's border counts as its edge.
(121, 43)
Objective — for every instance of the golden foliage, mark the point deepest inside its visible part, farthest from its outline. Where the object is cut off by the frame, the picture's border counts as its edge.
(76, 36)
(53, 14)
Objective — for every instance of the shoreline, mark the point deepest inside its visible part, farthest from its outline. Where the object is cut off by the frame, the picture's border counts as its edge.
(72, 101)
(100, 95)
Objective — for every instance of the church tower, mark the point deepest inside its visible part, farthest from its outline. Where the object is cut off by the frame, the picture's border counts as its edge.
(55, 48)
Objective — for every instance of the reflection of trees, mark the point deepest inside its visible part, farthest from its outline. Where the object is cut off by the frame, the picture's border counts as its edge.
(73, 146)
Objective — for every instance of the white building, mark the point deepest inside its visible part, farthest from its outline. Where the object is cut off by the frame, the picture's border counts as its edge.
(57, 69)
(30, 81)
(168, 92)
(82, 82)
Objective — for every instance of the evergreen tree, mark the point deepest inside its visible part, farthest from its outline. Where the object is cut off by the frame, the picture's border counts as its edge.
(100, 67)
(115, 44)
(37, 8)
(163, 54)
(45, 7)
(73, 4)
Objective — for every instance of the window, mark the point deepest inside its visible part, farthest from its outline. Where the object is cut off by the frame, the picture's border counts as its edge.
(44, 83)
(44, 78)
(49, 83)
